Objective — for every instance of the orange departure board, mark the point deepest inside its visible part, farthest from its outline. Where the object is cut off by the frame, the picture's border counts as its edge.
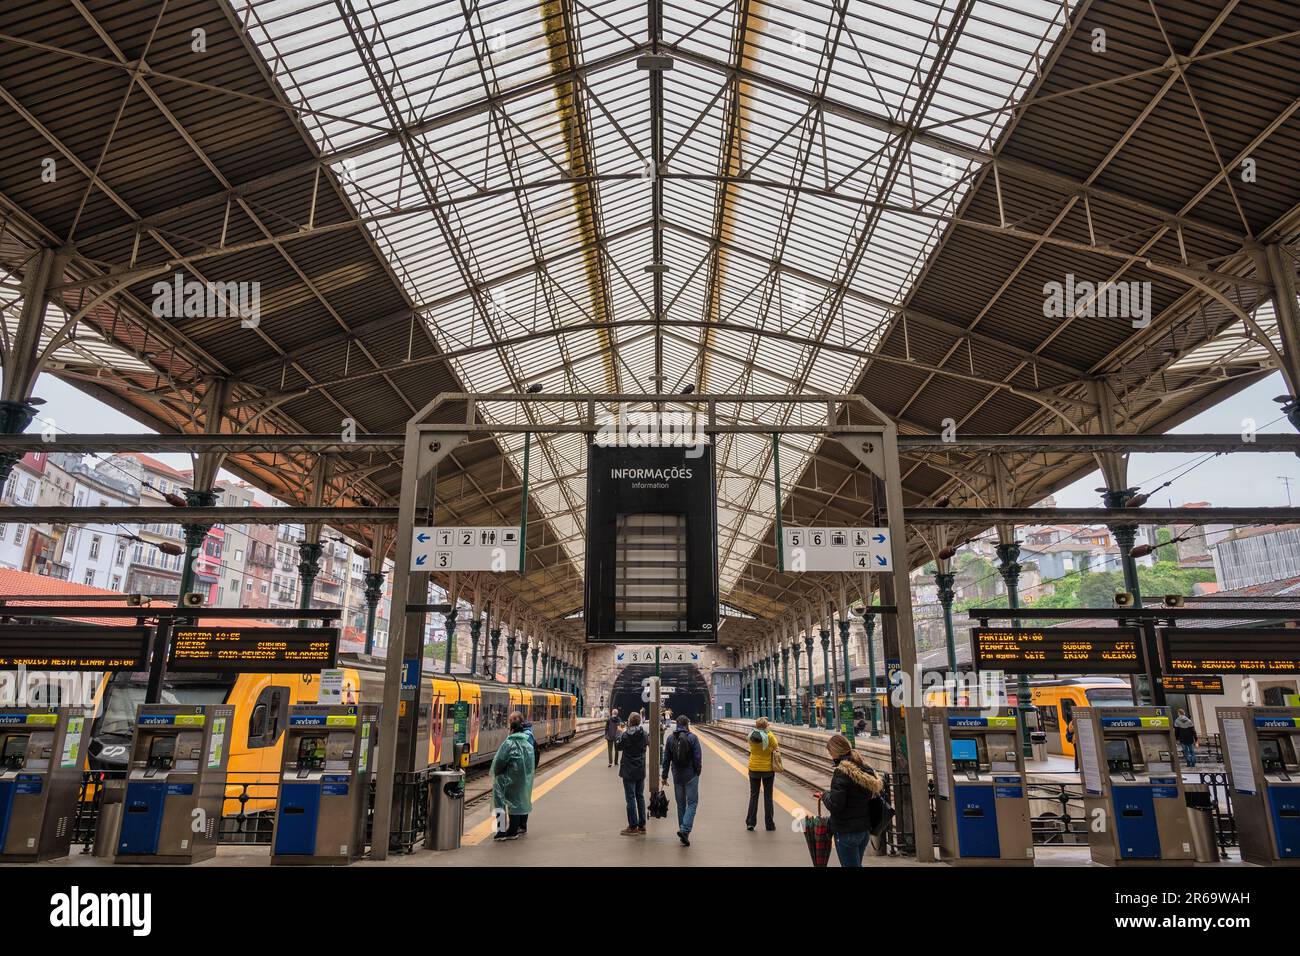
(74, 648)
(1192, 684)
(291, 650)
(1230, 650)
(1058, 650)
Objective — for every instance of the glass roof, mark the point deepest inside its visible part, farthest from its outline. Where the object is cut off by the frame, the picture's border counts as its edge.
(527, 172)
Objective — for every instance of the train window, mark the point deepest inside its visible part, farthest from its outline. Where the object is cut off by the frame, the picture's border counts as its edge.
(268, 717)
(1067, 710)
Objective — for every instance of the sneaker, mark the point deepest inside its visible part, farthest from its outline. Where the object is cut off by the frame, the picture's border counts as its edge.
(627, 831)
(640, 830)
(770, 827)
(681, 835)
(499, 835)
(749, 826)
(513, 836)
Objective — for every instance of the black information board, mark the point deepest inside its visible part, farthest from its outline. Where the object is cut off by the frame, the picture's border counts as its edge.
(652, 545)
(74, 648)
(1058, 650)
(257, 650)
(1235, 650)
(1192, 684)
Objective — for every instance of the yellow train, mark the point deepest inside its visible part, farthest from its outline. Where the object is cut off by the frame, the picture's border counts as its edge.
(262, 702)
(1055, 699)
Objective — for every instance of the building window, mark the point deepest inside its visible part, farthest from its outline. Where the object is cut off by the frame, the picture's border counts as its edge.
(90, 578)
(95, 541)
(264, 588)
(117, 582)
(19, 532)
(121, 553)
(239, 556)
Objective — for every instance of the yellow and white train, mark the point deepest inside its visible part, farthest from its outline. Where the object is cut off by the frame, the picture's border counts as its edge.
(262, 702)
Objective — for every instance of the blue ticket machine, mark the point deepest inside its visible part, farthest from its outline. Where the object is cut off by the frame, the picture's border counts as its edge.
(1133, 787)
(1261, 750)
(41, 751)
(981, 801)
(175, 783)
(325, 776)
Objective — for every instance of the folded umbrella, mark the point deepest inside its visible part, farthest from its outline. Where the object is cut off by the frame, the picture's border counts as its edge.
(817, 834)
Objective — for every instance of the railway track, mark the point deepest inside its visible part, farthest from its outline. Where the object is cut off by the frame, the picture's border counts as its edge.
(478, 782)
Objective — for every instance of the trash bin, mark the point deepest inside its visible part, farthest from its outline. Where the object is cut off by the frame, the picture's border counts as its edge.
(109, 819)
(1038, 744)
(1200, 812)
(446, 810)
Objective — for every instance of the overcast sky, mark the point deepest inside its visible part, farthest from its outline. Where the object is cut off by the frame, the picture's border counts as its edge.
(1226, 480)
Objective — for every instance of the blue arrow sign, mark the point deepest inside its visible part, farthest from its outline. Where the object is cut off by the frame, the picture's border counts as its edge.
(879, 539)
(880, 560)
(420, 560)
(421, 537)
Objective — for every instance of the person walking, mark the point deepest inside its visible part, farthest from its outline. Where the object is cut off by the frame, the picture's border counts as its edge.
(853, 786)
(1071, 731)
(762, 774)
(611, 737)
(512, 780)
(1185, 734)
(633, 745)
(683, 755)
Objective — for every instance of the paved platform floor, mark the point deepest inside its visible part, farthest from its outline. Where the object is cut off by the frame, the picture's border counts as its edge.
(578, 812)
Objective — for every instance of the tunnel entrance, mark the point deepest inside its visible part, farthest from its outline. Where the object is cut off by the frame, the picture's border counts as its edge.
(690, 691)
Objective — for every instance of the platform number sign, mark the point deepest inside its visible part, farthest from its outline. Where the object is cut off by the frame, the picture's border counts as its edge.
(837, 549)
(465, 549)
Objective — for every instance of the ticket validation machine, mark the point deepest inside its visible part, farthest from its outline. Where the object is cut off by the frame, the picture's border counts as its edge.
(324, 784)
(175, 784)
(1261, 750)
(1132, 786)
(979, 771)
(41, 751)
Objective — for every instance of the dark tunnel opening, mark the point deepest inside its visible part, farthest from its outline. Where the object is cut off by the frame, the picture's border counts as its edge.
(690, 691)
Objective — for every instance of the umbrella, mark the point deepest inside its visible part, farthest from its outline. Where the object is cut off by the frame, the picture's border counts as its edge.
(817, 834)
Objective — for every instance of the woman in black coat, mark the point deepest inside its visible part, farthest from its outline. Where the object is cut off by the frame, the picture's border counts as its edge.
(854, 785)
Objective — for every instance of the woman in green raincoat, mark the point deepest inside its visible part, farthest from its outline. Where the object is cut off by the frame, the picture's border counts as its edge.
(512, 780)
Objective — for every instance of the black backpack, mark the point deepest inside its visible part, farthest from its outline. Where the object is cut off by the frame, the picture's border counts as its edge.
(683, 752)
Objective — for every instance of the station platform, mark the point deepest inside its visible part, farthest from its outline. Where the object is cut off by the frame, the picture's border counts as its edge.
(579, 810)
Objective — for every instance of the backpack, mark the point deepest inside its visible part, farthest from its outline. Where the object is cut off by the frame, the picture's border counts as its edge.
(683, 752)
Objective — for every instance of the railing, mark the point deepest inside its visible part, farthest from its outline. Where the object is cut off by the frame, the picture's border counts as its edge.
(257, 793)
(1225, 821)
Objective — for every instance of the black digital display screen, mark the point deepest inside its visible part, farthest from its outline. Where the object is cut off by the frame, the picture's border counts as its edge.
(1224, 650)
(1058, 650)
(74, 648)
(258, 650)
(652, 545)
(1192, 684)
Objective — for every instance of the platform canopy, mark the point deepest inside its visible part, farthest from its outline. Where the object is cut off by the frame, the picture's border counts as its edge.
(803, 197)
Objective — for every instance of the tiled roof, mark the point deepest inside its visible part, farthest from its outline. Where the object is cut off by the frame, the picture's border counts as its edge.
(66, 592)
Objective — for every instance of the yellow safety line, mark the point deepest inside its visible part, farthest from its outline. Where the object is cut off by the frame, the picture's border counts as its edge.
(789, 805)
(484, 829)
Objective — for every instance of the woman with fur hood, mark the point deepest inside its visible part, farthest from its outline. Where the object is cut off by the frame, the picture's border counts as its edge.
(853, 786)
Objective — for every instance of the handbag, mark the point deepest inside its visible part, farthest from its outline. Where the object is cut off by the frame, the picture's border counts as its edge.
(658, 807)
(776, 760)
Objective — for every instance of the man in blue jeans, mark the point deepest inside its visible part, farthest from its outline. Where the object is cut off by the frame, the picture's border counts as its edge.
(683, 755)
